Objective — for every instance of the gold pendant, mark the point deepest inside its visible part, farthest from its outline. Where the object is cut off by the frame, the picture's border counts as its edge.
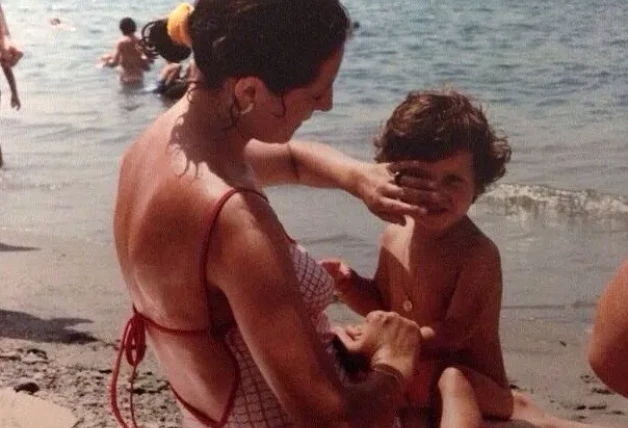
(407, 305)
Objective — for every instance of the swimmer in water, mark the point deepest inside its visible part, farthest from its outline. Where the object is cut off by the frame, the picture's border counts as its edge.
(127, 55)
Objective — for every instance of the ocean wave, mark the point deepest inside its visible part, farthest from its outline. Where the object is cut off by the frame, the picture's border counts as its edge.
(584, 204)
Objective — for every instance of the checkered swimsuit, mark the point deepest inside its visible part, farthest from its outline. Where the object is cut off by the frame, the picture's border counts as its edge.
(254, 404)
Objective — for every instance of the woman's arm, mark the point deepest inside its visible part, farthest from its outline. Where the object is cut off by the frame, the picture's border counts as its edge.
(608, 347)
(275, 324)
(319, 165)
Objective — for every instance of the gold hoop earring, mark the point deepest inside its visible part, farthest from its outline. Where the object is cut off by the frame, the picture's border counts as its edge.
(248, 109)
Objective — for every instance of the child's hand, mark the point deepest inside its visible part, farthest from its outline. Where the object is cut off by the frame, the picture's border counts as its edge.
(105, 60)
(15, 102)
(340, 272)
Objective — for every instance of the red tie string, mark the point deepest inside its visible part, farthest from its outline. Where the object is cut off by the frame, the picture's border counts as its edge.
(133, 346)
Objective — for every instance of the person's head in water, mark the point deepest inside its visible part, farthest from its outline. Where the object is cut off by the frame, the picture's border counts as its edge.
(127, 26)
(239, 38)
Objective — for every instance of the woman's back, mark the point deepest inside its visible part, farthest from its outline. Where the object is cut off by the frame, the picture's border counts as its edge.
(160, 224)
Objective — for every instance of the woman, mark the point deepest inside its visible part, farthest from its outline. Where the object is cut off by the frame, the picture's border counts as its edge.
(233, 306)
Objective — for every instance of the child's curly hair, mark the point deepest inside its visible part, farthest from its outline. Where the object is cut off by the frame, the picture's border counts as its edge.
(431, 125)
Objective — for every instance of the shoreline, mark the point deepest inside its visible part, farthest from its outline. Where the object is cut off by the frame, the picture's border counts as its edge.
(64, 305)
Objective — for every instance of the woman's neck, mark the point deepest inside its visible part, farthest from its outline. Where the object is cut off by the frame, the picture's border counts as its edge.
(203, 130)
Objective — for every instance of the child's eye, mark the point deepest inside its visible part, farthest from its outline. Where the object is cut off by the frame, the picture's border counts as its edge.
(453, 180)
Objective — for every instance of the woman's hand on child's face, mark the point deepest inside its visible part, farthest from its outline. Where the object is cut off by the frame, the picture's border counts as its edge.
(391, 190)
(418, 186)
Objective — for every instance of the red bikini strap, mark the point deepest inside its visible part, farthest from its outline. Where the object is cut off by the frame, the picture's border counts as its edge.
(133, 347)
(213, 214)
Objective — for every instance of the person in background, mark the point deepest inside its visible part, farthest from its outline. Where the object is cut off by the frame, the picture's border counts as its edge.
(214, 279)
(10, 54)
(172, 81)
(608, 346)
(128, 55)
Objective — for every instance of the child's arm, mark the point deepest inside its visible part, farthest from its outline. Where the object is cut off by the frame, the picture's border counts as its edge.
(476, 302)
(15, 99)
(359, 293)
(112, 59)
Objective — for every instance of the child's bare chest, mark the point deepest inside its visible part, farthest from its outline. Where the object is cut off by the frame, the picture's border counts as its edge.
(422, 284)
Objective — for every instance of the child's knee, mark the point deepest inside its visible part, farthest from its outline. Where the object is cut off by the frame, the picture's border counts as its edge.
(452, 381)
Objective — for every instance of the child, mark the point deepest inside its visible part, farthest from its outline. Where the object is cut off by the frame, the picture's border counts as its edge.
(440, 269)
(172, 82)
(127, 55)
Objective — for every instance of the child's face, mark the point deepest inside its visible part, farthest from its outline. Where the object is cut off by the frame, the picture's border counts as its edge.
(455, 181)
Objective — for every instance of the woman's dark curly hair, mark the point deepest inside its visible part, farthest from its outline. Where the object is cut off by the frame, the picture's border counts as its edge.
(283, 42)
(431, 125)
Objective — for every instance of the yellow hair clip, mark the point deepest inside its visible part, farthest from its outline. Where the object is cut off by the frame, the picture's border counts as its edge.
(177, 26)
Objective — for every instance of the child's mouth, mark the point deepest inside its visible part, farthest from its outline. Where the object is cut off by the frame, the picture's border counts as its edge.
(433, 209)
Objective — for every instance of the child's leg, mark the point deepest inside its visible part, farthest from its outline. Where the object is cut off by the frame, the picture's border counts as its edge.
(459, 408)
(527, 413)
(494, 400)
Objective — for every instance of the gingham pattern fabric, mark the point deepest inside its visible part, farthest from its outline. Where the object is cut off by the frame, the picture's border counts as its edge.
(255, 405)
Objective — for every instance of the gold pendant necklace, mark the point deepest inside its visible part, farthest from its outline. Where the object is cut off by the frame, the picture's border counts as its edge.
(408, 302)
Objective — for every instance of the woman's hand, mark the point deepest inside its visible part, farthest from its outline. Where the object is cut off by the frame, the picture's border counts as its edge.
(391, 194)
(386, 338)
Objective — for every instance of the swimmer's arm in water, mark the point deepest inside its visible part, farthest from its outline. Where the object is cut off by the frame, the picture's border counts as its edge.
(113, 59)
(319, 165)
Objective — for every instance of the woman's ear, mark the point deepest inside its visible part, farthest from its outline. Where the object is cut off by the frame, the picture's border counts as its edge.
(248, 92)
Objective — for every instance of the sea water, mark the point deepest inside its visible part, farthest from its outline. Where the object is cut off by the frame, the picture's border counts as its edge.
(553, 76)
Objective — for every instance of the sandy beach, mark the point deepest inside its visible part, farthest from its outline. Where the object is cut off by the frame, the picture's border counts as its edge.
(62, 307)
